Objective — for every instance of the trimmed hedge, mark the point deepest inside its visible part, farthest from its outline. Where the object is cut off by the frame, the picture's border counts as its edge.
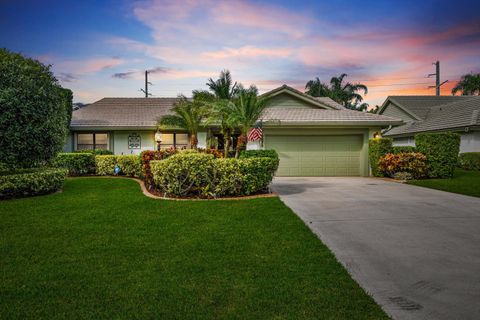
(198, 174)
(31, 182)
(469, 160)
(76, 163)
(377, 148)
(130, 165)
(441, 150)
(97, 152)
(269, 153)
(403, 149)
(403, 165)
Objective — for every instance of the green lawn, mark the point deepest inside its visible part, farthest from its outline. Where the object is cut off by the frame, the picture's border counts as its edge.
(102, 250)
(464, 182)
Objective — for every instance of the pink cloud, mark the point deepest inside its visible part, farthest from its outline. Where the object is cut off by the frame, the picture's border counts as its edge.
(249, 52)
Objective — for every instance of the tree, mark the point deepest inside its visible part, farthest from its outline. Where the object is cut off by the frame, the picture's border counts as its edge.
(246, 110)
(188, 115)
(357, 106)
(35, 112)
(469, 84)
(346, 94)
(224, 90)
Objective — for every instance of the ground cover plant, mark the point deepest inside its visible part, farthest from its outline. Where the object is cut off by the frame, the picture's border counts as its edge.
(102, 250)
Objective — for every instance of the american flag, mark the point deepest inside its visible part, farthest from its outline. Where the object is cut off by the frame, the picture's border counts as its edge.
(255, 133)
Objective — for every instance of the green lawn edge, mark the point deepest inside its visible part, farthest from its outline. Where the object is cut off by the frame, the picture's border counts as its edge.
(463, 182)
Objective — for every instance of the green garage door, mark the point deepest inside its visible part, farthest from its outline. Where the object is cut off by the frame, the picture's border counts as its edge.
(311, 156)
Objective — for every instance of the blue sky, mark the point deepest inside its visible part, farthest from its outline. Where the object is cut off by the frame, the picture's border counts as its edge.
(100, 48)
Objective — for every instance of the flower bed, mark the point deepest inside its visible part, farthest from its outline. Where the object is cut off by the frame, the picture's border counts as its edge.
(31, 182)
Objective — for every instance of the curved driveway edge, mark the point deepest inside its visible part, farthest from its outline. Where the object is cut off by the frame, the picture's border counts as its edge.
(415, 250)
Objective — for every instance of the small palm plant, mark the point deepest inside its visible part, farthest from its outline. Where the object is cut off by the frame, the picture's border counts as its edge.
(188, 115)
(246, 109)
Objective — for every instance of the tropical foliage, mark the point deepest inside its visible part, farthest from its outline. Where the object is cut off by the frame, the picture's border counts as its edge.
(345, 93)
(469, 84)
(414, 164)
(187, 114)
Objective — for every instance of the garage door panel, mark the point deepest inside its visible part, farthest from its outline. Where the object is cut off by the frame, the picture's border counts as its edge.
(317, 155)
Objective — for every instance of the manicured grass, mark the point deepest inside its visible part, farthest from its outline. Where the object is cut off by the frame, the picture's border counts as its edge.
(102, 250)
(464, 182)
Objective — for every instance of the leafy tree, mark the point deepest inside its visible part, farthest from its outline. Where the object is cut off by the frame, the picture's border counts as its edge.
(342, 92)
(469, 84)
(357, 106)
(35, 112)
(188, 115)
(246, 110)
(224, 90)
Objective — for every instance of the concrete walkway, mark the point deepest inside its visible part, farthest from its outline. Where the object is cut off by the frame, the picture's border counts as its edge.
(415, 250)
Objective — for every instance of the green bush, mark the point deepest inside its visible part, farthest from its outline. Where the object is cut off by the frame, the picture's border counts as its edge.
(35, 112)
(403, 149)
(270, 153)
(32, 182)
(185, 173)
(377, 148)
(469, 160)
(76, 163)
(130, 165)
(105, 165)
(258, 173)
(97, 152)
(441, 150)
(199, 174)
(413, 163)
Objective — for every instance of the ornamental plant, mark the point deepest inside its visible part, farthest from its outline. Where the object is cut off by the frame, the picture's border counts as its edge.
(469, 160)
(35, 112)
(76, 163)
(377, 148)
(441, 150)
(413, 163)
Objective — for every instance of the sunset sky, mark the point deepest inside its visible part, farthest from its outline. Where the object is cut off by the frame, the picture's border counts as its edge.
(101, 48)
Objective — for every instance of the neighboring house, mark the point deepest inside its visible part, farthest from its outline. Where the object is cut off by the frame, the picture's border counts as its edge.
(434, 114)
(313, 136)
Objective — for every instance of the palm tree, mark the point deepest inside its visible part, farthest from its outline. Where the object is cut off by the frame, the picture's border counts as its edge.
(224, 91)
(469, 84)
(246, 110)
(188, 115)
(339, 91)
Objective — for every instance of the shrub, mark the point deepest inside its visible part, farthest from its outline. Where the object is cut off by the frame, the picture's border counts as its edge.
(377, 148)
(97, 152)
(130, 165)
(186, 173)
(403, 149)
(441, 150)
(216, 153)
(31, 182)
(105, 165)
(199, 174)
(150, 155)
(259, 154)
(76, 163)
(469, 160)
(413, 163)
(35, 112)
(258, 173)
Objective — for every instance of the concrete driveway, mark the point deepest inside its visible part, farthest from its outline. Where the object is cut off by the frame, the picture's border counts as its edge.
(415, 250)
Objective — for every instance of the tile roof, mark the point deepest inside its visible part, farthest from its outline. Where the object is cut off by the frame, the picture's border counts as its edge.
(122, 112)
(463, 112)
(301, 115)
(420, 105)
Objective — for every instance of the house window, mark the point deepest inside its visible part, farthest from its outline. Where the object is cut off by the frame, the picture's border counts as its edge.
(92, 141)
(177, 140)
(134, 141)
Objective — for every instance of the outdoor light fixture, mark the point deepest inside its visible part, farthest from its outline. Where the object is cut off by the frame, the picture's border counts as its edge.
(158, 139)
(376, 135)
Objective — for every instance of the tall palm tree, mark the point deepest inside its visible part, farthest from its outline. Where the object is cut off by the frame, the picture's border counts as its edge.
(345, 93)
(224, 90)
(188, 115)
(246, 110)
(469, 84)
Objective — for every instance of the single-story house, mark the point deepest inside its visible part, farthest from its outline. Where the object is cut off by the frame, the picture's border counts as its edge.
(313, 136)
(434, 114)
